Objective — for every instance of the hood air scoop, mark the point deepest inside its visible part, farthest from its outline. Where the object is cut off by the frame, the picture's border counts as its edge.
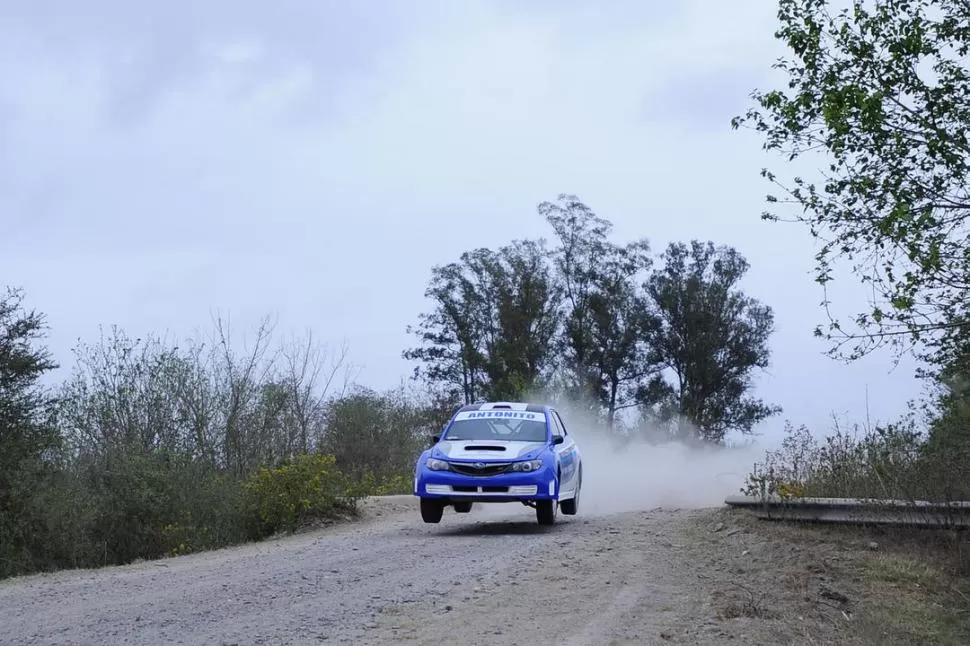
(483, 447)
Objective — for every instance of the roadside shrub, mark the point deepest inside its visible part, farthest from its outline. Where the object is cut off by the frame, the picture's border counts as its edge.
(149, 506)
(380, 434)
(51, 526)
(388, 485)
(892, 462)
(133, 497)
(308, 487)
(211, 510)
(130, 507)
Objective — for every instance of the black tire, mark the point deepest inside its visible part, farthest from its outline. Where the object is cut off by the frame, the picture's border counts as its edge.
(431, 510)
(546, 511)
(571, 507)
(463, 507)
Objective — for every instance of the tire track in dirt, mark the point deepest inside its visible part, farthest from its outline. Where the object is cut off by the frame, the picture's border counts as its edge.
(611, 579)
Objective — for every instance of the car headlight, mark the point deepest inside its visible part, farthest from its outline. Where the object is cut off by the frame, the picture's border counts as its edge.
(437, 465)
(529, 465)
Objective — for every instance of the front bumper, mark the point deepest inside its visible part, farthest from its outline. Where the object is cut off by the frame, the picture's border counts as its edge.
(537, 485)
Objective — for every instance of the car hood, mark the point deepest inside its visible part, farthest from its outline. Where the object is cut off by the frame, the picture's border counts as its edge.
(487, 449)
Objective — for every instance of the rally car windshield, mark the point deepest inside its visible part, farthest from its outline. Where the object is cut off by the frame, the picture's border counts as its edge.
(516, 430)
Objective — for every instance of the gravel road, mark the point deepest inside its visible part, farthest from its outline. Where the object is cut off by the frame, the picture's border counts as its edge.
(489, 577)
(652, 558)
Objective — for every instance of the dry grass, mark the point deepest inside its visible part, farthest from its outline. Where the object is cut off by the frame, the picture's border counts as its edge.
(787, 591)
(844, 584)
(917, 584)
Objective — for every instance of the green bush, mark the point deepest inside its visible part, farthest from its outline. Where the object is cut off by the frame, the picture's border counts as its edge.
(149, 506)
(103, 511)
(60, 515)
(388, 485)
(377, 434)
(893, 462)
(309, 487)
(211, 510)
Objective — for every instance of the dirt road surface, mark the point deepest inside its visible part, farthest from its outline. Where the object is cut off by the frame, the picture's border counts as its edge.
(489, 577)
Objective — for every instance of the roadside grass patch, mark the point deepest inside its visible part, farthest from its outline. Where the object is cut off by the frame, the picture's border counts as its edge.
(755, 578)
(896, 586)
(917, 587)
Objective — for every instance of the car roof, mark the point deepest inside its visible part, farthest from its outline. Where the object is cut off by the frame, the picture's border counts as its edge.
(502, 405)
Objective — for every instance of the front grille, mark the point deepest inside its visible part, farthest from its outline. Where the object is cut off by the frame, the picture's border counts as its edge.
(487, 468)
(471, 489)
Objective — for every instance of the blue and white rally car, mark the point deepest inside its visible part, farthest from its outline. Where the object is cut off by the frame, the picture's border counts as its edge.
(501, 452)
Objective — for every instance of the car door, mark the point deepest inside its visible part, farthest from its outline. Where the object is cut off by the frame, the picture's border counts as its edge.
(567, 453)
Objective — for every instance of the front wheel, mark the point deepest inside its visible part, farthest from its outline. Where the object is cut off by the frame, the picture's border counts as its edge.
(546, 511)
(431, 510)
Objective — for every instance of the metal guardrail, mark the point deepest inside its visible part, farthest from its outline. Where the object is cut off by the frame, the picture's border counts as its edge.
(857, 511)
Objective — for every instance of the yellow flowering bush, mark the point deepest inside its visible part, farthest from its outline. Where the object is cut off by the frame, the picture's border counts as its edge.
(399, 483)
(178, 539)
(307, 487)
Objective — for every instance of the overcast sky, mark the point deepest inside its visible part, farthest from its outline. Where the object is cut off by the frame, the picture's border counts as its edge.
(163, 161)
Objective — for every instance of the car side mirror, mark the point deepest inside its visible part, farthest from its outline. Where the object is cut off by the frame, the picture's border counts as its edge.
(434, 440)
(557, 439)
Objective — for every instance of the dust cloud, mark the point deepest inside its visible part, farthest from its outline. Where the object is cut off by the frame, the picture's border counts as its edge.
(640, 475)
